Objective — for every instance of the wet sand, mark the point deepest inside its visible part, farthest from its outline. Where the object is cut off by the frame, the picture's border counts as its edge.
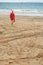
(22, 42)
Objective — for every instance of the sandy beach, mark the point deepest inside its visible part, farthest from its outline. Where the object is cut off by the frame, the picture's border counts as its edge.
(21, 43)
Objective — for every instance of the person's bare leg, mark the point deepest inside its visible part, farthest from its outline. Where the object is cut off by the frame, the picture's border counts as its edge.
(12, 23)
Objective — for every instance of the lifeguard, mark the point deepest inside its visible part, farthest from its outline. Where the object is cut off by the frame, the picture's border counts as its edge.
(12, 17)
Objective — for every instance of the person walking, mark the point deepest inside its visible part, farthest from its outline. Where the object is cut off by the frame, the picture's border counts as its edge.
(12, 17)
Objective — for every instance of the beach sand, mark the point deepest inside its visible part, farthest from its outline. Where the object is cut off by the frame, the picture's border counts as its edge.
(22, 42)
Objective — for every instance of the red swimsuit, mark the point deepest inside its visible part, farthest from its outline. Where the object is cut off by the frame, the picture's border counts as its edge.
(12, 16)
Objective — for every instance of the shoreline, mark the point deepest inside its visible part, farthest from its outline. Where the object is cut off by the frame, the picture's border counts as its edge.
(23, 15)
(21, 12)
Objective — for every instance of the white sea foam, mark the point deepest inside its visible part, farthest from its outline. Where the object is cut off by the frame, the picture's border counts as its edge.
(24, 12)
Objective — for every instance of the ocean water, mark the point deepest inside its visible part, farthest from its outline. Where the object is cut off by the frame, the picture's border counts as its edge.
(22, 8)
